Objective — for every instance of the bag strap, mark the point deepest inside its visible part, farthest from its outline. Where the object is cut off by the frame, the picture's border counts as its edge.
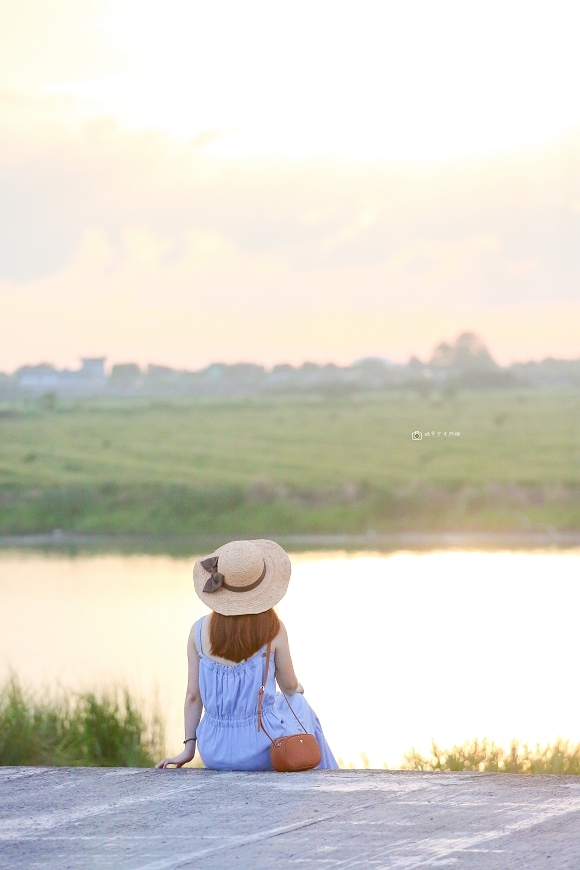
(295, 716)
(261, 693)
(261, 697)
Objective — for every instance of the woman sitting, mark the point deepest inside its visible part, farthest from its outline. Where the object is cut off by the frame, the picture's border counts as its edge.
(241, 582)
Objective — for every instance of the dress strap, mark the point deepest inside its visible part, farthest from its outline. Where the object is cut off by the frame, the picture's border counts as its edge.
(199, 627)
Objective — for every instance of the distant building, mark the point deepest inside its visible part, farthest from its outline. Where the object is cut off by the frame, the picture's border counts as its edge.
(93, 370)
(90, 378)
(41, 377)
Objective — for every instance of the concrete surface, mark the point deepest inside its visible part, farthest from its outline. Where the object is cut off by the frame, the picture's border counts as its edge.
(72, 819)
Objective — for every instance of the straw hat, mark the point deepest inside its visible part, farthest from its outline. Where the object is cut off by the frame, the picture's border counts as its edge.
(243, 577)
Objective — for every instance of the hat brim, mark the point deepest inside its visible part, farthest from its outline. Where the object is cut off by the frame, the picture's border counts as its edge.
(270, 591)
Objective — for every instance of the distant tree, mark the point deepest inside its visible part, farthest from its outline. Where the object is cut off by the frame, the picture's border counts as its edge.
(244, 372)
(125, 372)
(125, 377)
(443, 356)
(468, 354)
(155, 371)
(415, 365)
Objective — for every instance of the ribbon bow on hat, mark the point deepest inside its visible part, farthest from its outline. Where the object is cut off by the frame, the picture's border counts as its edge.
(216, 579)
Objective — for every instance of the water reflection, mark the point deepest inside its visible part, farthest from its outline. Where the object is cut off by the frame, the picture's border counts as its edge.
(392, 650)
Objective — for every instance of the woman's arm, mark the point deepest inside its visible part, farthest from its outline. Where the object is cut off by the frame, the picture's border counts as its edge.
(192, 708)
(285, 675)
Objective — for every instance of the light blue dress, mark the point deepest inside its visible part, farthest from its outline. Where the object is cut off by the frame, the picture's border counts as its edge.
(228, 736)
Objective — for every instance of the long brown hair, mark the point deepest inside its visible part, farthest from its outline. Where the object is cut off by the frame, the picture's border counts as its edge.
(236, 638)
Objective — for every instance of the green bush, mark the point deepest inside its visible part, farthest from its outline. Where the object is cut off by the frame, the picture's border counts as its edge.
(560, 757)
(81, 730)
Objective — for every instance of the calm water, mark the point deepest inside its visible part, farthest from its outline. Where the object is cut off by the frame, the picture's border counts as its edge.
(392, 650)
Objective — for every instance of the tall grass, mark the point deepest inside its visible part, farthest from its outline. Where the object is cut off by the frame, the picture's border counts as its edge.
(82, 730)
(561, 757)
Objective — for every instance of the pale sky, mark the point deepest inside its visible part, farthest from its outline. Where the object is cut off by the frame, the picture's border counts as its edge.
(183, 182)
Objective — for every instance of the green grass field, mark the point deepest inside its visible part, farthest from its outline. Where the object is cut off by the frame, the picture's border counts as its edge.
(292, 465)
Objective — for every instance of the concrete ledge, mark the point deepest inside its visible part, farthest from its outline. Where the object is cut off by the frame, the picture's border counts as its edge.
(58, 818)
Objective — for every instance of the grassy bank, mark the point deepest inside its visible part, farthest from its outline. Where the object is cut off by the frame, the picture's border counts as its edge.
(560, 757)
(294, 465)
(108, 730)
(86, 729)
(158, 510)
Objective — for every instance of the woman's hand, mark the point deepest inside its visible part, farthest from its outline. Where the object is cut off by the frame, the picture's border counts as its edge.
(299, 690)
(178, 760)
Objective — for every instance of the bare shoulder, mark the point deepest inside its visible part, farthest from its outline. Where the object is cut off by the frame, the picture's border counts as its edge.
(192, 639)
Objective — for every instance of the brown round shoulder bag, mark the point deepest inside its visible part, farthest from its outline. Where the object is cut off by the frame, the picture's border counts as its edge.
(295, 752)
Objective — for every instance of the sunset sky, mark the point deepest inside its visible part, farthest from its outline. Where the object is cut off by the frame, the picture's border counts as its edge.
(186, 182)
